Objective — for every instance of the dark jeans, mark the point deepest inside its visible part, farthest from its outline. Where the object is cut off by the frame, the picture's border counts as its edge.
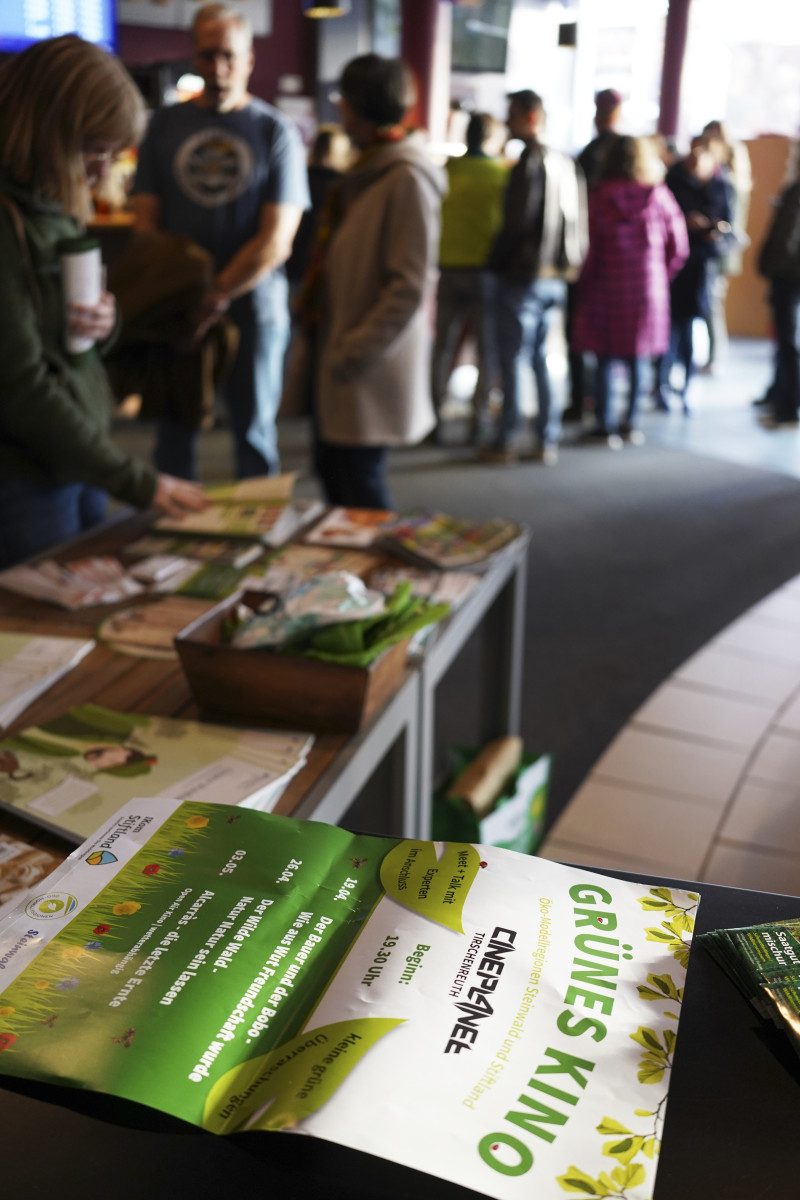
(602, 389)
(352, 476)
(466, 299)
(785, 301)
(251, 392)
(577, 363)
(34, 517)
(681, 350)
(524, 313)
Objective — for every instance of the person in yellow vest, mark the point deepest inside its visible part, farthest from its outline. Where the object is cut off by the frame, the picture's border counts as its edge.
(472, 213)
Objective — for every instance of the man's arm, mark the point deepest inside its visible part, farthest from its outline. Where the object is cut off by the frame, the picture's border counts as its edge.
(146, 212)
(271, 247)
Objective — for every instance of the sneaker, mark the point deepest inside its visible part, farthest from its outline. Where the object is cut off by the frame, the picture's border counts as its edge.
(602, 437)
(572, 415)
(547, 455)
(660, 402)
(634, 437)
(768, 421)
(501, 456)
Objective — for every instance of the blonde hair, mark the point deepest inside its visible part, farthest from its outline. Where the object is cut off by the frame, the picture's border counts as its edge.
(59, 99)
(633, 158)
(330, 148)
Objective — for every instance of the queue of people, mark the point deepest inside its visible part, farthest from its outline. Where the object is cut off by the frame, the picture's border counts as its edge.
(226, 173)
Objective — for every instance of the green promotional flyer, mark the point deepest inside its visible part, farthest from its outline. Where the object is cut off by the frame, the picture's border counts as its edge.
(248, 972)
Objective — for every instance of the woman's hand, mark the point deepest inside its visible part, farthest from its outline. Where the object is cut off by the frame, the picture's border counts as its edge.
(96, 322)
(697, 222)
(177, 497)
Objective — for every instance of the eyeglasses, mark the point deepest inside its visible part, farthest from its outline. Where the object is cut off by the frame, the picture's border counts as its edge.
(94, 158)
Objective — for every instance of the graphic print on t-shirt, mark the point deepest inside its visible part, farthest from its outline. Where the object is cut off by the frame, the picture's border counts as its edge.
(214, 167)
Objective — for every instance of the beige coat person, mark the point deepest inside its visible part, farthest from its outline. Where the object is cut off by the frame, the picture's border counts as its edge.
(371, 358)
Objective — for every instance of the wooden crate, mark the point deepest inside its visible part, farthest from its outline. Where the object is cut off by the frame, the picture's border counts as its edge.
(289, 689)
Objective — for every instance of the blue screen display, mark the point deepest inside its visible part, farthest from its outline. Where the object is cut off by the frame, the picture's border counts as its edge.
(25, 21)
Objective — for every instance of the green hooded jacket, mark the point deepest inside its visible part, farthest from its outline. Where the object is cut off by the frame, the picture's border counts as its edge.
(55, 408)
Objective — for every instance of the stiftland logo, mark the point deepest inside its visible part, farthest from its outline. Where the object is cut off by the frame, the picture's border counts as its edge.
(51, 906)
(100, 858)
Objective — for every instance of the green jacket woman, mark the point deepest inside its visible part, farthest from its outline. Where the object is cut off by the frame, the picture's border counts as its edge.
(66, 107)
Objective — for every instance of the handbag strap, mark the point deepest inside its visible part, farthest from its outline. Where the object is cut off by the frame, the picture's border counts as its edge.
(19, 229)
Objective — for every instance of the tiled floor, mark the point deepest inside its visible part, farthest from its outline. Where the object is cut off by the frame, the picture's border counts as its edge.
(704, 782)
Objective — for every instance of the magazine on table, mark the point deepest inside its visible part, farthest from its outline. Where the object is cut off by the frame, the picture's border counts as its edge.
(30, 664)
(232, 552)
(81, 583)
(359, 527)
(436, 539)
(494, 1019)
(260, 508)
(70, 773)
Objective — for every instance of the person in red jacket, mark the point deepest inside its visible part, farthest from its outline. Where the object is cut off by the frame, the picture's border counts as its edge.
(637, 242)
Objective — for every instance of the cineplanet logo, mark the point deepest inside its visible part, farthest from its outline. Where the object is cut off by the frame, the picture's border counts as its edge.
(51, 906)
(101, 858)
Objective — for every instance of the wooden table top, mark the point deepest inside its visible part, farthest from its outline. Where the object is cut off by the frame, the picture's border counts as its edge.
(121, 681)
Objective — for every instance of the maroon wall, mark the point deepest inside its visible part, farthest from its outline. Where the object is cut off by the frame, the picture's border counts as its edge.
(289, 50)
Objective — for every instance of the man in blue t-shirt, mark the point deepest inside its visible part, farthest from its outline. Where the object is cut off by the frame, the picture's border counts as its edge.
(228, 171)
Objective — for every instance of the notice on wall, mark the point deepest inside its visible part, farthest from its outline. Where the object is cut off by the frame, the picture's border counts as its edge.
(291, 976)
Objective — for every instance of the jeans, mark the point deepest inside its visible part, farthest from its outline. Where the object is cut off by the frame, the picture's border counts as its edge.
(602, 389)
(785, 301)
(34, 517)
(251, 392)
(465, 298)
(524, 313)
(681, 350)
(577, 364)
(353, 476)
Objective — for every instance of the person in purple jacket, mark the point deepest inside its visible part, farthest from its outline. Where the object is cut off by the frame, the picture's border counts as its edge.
(637, 243)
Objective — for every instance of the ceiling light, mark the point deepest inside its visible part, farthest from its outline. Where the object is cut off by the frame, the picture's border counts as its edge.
(312, 9)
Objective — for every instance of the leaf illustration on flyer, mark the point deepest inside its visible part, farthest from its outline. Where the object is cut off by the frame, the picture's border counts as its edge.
(435, 888)
(296, 1079)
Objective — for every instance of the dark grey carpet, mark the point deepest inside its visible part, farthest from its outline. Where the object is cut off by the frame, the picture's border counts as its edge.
(637, 559)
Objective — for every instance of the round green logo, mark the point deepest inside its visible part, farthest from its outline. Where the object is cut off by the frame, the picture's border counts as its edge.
(51, 905)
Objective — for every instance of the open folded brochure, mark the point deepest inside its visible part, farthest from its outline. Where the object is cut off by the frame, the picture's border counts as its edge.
(73, 772)
(501, 1021)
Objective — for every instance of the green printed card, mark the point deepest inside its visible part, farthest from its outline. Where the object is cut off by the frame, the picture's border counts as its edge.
(73, 773)
(249, 972)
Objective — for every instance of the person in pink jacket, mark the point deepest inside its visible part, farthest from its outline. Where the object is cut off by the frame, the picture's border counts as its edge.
(637, 243)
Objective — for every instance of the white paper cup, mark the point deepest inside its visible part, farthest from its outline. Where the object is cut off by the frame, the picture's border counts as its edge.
(82, 283)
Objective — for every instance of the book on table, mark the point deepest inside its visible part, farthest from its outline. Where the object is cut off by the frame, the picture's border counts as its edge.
(70, 773)
(494, 1019)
